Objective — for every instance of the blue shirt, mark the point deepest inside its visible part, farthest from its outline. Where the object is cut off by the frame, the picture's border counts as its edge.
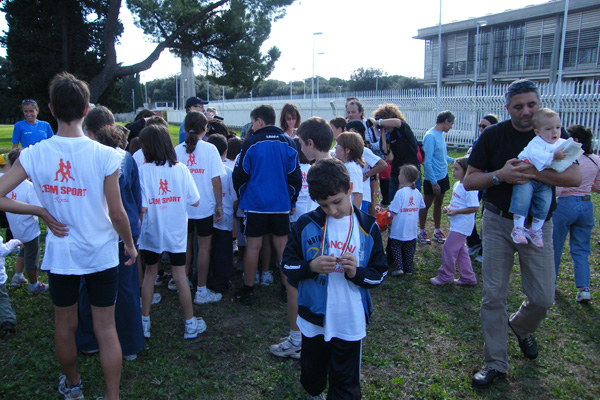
(436, 156)
(182, 133)
(29, 134)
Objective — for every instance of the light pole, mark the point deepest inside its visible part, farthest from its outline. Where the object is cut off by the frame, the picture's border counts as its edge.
(321, 53)
(176, 94)
(479, 24)
(291, 83)
(312, 96)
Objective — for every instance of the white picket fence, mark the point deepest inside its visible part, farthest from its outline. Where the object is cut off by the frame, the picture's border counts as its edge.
(579, 104)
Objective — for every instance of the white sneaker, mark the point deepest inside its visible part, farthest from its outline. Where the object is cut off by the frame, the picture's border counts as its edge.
(38, 287)
(286, 349)
(146, 329)
(156, 298)
(584, 296)
(192, 331)
(211, 297)
(173, 286)
(72, 392)
(267, 278)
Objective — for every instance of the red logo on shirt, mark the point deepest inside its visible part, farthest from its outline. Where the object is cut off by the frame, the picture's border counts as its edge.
(191, 160)
(13, 196)
(411, 202)
(64, 170)
(163, 188)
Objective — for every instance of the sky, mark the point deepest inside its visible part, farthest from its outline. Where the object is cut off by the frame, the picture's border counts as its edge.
(355, 34)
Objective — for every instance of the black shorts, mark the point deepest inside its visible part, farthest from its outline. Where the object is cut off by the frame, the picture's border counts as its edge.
(31, 253)
(151, 258)
(257, 224)
(102, 288)
(444, 186)
(204, 226)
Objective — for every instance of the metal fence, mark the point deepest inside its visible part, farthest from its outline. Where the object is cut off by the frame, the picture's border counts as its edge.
(579, 104)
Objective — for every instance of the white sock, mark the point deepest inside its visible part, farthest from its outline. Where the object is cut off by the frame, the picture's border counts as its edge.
(518, 221)
(295, 337)
(537, 224)
(146, 319)
(421, 230)
(17, 275)
(191, 321)
(202, 290)
(437, 230)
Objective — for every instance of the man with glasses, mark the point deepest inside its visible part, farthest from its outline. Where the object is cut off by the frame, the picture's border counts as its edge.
(496, 153)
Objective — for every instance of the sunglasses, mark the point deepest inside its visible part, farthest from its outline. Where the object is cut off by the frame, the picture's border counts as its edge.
(28, 101)
(482, 126)
(521, 86)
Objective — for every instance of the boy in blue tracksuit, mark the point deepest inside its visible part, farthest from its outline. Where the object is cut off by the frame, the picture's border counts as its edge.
(334, 255)
(267, 179)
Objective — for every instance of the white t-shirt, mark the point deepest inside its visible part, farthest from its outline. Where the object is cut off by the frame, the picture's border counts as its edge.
(356, 176)
(370, 161)
(229, 196)
(462, 223)
(139, 158)
(539, 153)
(24, 227)
(229, 163)
(204, 163)
(166, 193)
(304, 201)
(406, 205)
(344, 313)
(68, 176)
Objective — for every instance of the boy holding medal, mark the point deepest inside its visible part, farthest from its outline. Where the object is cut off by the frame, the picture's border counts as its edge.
(333, 256)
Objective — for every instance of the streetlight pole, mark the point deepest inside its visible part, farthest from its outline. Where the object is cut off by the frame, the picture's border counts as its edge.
(312, 96)
(321, 53)
(479, 24)
(291, 83)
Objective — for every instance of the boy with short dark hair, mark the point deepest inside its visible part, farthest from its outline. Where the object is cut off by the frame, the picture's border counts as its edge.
(77, 182)
(333, 256)
(315, 136)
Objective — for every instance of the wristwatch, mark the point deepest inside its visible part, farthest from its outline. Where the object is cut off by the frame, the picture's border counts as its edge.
(495, 179)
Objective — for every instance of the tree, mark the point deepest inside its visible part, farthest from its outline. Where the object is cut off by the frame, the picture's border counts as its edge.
(226, 34)
(365, 79)
(48, 37)
(80, 37)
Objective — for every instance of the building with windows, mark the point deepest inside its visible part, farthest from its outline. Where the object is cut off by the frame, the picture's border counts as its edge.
(523, 43)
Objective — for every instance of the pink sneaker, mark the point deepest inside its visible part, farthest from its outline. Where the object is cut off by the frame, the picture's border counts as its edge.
(439, 237)
(518, 235)
(423, 238)
(536, 237)
(436, 281)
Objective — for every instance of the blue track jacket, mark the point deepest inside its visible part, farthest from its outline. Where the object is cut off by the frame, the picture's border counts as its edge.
(266, 176)
(304, 245)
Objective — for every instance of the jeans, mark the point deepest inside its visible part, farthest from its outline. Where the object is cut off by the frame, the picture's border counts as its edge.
(575, 217)
(533, 194)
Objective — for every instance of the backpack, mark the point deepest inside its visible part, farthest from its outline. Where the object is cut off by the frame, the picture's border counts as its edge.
(420, 152)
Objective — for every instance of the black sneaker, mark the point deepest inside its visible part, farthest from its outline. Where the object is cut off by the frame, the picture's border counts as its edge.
(527, 344)
(8, 327)
(486, 377)
(245, 297)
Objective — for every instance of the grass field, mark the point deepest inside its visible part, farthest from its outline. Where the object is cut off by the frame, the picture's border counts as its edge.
(424, 342)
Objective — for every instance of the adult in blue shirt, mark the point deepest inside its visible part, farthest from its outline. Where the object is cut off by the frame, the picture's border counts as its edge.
(436, 181)
(191, 104)
(30, 131)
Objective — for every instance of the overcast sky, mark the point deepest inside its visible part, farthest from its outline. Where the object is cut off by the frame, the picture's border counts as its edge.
(356, 33)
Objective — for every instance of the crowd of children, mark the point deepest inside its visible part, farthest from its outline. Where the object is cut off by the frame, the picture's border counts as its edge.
(302, 193)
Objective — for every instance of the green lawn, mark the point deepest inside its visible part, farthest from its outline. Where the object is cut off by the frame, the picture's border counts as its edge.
(424, 342)
(5, 138)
